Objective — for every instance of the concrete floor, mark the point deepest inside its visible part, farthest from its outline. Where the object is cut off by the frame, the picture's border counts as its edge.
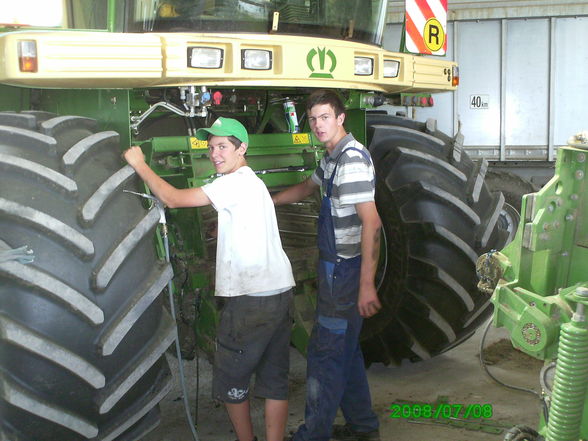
(455, 377)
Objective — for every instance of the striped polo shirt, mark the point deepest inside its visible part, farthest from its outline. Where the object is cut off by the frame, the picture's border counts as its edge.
(354, 183)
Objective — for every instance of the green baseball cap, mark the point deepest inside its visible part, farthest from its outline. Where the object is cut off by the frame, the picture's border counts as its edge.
(224, 127)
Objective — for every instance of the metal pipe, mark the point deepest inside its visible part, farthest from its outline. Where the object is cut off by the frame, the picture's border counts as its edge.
(111, 16)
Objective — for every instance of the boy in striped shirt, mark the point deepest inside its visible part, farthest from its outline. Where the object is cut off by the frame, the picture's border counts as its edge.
(348, 242)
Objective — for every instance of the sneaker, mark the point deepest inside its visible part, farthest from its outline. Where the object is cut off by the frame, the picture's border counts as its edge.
(346, 433)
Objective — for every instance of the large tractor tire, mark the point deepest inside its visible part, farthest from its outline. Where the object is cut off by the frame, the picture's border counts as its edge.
(512, 186)
(438, 217)
(83, 331)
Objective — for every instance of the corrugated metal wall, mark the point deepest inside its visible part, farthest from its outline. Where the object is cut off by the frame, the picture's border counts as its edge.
(524, 81)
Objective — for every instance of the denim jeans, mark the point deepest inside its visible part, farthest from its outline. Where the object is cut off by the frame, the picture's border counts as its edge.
(336, 376)
(335, 371)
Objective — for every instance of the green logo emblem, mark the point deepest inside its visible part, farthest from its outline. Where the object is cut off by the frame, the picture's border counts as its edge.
(322, 71)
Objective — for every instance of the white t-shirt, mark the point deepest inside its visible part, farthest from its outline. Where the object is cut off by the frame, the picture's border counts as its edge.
(249, 255)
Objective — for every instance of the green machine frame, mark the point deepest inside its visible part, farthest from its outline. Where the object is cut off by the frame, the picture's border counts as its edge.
(540, 290)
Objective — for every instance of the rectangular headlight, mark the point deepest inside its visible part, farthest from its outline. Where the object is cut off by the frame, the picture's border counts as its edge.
(364, 66)
(391, 68)
(256, 59)
(205, 57)
(27, 55)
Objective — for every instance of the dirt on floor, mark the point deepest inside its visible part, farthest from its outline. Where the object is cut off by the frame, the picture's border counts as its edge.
(502, 353)
(454, 383)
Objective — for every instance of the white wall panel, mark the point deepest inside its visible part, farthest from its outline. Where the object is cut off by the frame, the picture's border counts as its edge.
(527, 82)
(571, 71)
(478, 56)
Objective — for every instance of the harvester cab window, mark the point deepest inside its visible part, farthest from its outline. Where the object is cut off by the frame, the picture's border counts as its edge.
(87, 14)
(65, 14)
(49, 13)
(356, 20)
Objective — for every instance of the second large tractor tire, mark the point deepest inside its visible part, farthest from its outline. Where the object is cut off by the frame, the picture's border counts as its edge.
(438, 217)
(83, 331)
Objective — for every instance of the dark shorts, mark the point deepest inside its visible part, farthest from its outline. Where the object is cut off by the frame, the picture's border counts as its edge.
(253, 337)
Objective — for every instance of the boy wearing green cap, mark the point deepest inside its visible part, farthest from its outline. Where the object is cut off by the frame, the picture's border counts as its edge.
(253, 275)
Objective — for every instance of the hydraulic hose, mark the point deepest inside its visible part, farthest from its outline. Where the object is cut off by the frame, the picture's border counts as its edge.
(485, 367)
(177, 342)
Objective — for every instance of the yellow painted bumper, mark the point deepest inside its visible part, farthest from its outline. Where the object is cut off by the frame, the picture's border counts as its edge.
(72, 59)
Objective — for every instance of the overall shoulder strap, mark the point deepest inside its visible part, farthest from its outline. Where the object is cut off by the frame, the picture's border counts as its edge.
(363, 153)
(332, 177)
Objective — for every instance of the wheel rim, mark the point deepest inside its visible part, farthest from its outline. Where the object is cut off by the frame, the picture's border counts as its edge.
(383, 261)
(509, 221)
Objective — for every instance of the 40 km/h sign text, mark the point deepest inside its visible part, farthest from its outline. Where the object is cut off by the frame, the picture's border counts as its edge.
(479, 101)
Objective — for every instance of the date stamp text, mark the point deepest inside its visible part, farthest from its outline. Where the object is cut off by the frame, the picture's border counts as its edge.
(440, 411)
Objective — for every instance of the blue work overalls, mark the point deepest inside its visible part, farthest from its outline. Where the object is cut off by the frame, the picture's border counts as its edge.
(335, 368)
